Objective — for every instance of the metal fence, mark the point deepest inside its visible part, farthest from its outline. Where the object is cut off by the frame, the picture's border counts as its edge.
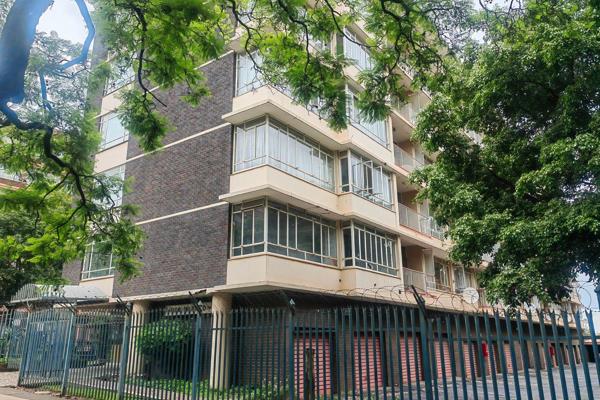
(355, 352)
(12, 331)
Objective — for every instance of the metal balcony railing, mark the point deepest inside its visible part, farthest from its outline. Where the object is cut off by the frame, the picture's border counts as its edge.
(421, 223)
(405, 160)
(418, 279)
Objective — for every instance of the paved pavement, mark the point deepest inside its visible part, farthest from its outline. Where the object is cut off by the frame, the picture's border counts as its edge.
(8, 378)
(7, 393)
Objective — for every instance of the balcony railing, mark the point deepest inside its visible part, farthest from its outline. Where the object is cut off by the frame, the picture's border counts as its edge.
(405, 160)
(418, 279)
(421, 223)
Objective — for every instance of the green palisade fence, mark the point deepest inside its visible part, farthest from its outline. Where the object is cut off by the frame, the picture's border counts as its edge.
(357, 352)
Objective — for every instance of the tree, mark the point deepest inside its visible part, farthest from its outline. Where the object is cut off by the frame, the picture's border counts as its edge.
(528, 195)
(47, 129)
(26, 231)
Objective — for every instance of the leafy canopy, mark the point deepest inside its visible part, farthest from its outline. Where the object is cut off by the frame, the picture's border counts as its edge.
(528, 195)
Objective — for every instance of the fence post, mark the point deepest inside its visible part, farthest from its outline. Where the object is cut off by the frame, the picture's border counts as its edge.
(196, 360)
(69, 351)
(424, 343)
(291, 312)
(24, 350)
(124, 353)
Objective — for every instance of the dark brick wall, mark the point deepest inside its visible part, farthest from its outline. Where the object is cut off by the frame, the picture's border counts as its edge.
(182, 253)
(181, 177)
(188, 251)
(187, 120)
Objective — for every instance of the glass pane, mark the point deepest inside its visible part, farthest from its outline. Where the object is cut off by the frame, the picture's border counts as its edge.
(247, 227)
(259, 225)
(283, 229)
(305, 234)
(272, 229)
(317, 239)
(347, 243)
(237, 229)
(292, 232)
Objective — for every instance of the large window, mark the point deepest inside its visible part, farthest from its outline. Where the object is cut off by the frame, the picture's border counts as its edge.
(114, 186)
(266, 141)
(355, 50)
(366, 178)
(113, 131)
(288, 231)
(120, 76)
(369, 248)
(376, 130)
(248, 78)
(97, 262)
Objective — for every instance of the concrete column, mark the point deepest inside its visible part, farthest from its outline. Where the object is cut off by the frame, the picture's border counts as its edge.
(220, 346)
(139, 316)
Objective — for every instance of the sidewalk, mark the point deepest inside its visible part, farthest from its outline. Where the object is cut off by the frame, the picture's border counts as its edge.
(8, 393)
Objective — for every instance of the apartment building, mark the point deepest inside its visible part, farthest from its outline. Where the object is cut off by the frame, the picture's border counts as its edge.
(254, 193)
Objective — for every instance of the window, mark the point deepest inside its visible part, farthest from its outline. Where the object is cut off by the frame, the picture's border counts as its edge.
(442, 275)
(367, 179)
(248, 228)
(120, 76)
(376, 130)
(248, 78)
(369, 248)
(112, 131)
(267, 141)
(115, 186)
(97, 262)
(353, 49)
(289, 231)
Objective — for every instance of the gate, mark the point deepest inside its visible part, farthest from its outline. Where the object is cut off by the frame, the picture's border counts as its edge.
(45, 346)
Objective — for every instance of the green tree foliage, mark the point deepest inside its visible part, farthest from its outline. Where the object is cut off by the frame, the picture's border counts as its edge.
(32, 250)
(528, 195)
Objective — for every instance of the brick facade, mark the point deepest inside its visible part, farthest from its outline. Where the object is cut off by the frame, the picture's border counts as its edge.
(181, 253)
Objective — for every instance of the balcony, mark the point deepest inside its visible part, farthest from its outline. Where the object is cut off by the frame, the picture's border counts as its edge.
(404, 160)
(418, 279)
(420, 223)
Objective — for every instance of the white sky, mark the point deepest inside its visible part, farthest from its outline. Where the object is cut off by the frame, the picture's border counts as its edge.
(64, 18)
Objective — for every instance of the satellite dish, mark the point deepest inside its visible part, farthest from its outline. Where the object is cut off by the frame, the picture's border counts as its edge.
(470, 295)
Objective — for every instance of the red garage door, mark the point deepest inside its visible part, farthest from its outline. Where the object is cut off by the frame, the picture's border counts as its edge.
(444, 367)
(367, 363)
(410, 355)
(313, 349)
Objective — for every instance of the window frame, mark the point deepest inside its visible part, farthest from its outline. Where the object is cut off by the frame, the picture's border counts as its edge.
(104, 119)
(296, 145)
(88, 260)
(281, 243)
(375, 170)
(375, 237)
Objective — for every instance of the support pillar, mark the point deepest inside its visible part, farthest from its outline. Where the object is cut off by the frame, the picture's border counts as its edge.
(220, 344)
(139, 316)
